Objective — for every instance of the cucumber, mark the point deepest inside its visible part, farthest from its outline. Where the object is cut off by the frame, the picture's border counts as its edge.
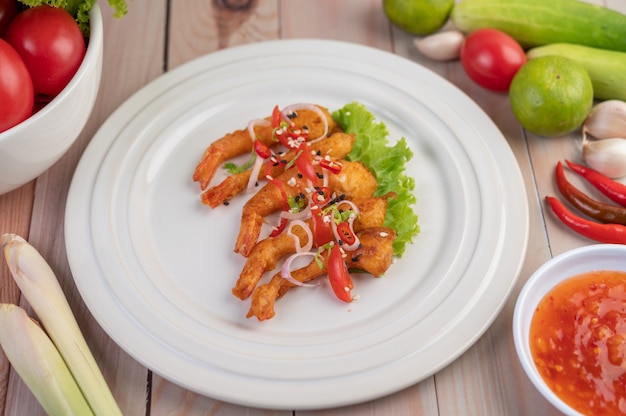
(540, 22)
(607, 69)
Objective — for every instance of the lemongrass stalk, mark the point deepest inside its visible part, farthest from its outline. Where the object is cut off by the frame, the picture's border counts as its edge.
(37, 361)
(41, 288)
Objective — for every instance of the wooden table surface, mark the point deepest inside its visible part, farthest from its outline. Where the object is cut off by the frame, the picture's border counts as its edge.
(157, 36)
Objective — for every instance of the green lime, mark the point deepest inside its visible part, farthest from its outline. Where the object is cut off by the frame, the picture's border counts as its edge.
(418, 17)
(551, 96)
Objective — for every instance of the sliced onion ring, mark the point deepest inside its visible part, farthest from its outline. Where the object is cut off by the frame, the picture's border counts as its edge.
(307, 230)
(258, 162)
(254, 176)
(303, 214)
(256, 122)
(306, 106)
(286, 273)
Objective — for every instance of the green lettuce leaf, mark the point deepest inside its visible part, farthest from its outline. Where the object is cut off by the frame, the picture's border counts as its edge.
(388, 163)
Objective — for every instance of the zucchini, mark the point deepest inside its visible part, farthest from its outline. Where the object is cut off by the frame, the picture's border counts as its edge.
(607, 69)
(540, 22)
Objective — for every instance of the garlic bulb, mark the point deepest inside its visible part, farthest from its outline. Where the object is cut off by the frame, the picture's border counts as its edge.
(442, 46)
(606, 120)
(607, 156)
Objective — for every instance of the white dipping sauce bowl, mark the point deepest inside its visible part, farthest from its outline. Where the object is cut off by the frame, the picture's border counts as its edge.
(543, 280)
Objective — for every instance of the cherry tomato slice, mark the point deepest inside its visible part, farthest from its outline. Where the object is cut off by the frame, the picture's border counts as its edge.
(322, 233)
(338, 275)
(304, 163)
(277, 117)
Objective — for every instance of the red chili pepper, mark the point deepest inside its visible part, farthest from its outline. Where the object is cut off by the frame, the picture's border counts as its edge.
(277, 117)
(331, 165)
(604, 233)
(321, 196)
(281, 227)
(304, 163)
(262, 149)
(589, 206)
(338, 275)
(346, 233)
(612, 189)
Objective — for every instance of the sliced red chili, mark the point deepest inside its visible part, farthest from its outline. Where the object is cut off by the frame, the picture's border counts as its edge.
(331, 165)
(603, 233)
(587, 205)
(346, 233)
(338, 275)
(281, 227)
(261, 149)
(614, 190)
(304, 163)
(321, 196)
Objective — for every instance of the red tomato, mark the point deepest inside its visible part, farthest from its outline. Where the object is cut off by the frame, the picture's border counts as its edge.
(492, 58)
(8, 10)
(51, 44)
(322, 232)
(16, 88)
(338, 275)
(304, 162)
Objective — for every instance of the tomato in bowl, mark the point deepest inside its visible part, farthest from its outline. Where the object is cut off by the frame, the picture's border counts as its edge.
(31, 147)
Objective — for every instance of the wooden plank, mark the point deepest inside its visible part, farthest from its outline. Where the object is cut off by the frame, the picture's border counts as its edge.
(357, 21)
(197, 27)
(138, 46)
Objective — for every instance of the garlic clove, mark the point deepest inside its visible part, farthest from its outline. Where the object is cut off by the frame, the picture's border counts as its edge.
(441, 46)
(606, 120)
(607, 156)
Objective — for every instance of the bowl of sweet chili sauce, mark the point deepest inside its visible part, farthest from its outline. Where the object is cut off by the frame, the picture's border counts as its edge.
(569, 328)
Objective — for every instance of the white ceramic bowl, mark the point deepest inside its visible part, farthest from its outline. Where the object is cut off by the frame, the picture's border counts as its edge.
(554, 271)
(30, 148)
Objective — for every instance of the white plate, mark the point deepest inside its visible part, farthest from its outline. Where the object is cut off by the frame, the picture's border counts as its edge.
(156, 267)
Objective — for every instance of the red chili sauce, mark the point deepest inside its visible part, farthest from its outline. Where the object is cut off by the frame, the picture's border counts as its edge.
(578, 342)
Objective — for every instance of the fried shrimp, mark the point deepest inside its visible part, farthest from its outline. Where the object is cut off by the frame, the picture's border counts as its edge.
(374, 257)
(302, 179)
(231, 145)
(268, 252)
(335, 146)
(353, 181)
(240, 142)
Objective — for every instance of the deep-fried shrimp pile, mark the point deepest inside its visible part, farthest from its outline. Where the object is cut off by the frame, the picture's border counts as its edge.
(326, 205)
